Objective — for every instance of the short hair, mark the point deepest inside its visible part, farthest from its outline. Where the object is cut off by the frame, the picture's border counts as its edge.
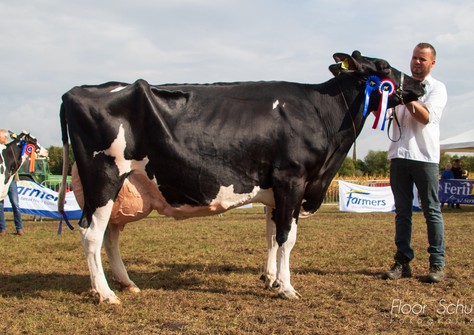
(424, 45)
(3, 132)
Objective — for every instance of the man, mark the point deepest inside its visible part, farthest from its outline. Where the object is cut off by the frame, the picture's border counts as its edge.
(13, 196)
(414, 160)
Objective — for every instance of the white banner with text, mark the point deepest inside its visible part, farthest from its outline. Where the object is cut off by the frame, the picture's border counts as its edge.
(36, 199)
(363, 199)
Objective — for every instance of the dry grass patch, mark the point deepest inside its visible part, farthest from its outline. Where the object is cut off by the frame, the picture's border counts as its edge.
(201, 276)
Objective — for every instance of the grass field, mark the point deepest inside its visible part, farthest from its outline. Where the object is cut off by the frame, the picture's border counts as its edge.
(201, 276)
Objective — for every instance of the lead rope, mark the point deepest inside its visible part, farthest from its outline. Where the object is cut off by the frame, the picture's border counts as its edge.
(391, 118)
(393, 115)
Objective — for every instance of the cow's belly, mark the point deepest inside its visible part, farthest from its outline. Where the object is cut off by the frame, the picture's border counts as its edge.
(140, 195)
(226, 199)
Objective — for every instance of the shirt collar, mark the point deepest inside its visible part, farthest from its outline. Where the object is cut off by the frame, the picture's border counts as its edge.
(428, 80)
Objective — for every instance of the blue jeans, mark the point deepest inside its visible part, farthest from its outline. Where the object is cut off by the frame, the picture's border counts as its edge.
(403, 174)
(13, 196)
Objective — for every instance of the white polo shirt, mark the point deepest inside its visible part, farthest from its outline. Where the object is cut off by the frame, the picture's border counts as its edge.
(418, 141)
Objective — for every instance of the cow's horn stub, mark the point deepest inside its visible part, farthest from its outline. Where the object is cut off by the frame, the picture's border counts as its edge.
(356, 54)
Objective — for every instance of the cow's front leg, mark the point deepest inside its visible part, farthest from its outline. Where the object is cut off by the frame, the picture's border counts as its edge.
(270, 271)
(286, 290)
(112, 248)
(92, 238)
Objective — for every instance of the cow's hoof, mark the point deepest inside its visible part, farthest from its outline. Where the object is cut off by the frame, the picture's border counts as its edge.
(131, 288)
(289, 294)
(270, 281)
(111, 300)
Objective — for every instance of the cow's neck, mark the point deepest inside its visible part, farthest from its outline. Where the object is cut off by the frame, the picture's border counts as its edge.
(349, 94)
(353, 94)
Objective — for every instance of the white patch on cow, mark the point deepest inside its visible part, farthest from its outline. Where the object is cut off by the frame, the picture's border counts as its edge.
(275, 104)
(4, 183)
(118, 89)
(117, 149)
(227, 198)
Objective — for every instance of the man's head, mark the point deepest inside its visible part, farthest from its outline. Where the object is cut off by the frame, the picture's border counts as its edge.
(3, 136)
(422, 60)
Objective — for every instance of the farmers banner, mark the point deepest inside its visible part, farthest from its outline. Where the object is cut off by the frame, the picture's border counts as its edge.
(456, 191)
(363, 199)
(38, 200)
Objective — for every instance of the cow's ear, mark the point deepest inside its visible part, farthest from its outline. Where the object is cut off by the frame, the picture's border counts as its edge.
(345, 63)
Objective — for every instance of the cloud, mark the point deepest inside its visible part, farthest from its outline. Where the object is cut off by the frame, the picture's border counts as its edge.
(49, 46)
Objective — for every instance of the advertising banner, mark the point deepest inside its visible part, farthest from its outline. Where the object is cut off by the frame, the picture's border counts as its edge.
(456, 191)
(363, 199)
(38, 200)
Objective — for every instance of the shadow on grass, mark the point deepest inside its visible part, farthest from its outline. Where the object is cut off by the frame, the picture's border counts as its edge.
(29, 284)
(201, 277)
(364, 272)
(211, 278)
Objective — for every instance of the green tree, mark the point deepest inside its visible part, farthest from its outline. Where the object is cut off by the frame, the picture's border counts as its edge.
(352, 168)
(361, 167)
(377, 163)
(347, 168)
(55, 160)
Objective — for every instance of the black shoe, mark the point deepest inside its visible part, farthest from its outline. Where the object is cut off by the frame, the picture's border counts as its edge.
(397, 271)
(436, 274)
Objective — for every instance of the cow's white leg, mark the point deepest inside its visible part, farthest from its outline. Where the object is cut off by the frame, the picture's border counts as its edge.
(92, 238)
(112, 248)
(286, 290)
(270, 272)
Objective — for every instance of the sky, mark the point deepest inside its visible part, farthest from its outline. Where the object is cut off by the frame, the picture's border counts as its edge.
(49, 46)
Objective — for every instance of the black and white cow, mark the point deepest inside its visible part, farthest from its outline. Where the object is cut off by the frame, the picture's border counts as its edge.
(13, 155)
(191, 150)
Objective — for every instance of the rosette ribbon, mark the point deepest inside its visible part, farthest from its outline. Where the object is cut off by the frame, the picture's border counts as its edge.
(30, 150)
(372, 84)
(386, 89)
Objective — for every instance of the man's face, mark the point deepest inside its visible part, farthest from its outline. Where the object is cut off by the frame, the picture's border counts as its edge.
(422, 61)
(3, 138)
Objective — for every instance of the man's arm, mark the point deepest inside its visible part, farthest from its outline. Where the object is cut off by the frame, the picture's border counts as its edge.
(418, 111)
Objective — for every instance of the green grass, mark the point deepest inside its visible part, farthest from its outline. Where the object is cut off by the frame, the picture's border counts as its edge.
(201, 276)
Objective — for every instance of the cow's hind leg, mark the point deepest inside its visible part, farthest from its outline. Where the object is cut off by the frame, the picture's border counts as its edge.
(270, 271)
(112, 248)
(92, 238)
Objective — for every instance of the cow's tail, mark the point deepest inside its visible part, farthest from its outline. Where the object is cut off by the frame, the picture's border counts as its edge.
(62, 191)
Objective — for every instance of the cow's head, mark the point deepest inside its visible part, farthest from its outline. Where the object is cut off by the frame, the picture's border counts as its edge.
(28, 144)
(13, 155)
(406, 89)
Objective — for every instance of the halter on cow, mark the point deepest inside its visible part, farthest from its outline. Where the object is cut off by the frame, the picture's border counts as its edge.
(193, 150)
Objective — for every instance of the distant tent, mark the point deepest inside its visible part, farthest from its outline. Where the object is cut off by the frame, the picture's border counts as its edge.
(463, 142)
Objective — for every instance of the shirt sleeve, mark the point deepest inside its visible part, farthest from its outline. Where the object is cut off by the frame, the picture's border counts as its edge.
(435, 100)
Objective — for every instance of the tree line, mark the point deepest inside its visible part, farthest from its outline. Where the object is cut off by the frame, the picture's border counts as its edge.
(375, 164)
